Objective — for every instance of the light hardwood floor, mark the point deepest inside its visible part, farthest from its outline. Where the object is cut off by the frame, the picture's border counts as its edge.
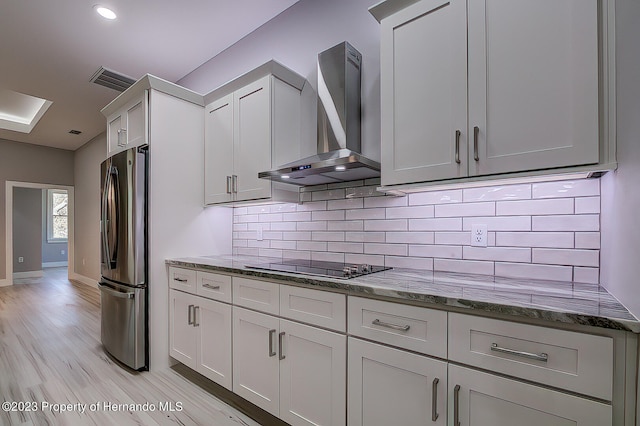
(50, 352)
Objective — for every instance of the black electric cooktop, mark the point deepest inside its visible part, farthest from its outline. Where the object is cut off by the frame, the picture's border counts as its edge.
(321, 268)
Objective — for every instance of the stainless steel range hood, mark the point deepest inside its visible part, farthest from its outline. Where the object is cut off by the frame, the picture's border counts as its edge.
(338, 158)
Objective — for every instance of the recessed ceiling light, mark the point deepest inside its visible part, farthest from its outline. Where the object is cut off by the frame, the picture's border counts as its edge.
(285, 176)
(105, 12)
(340, 168)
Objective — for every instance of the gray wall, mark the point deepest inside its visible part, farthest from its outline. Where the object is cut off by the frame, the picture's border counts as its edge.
(27, 229)
(294, 38)
(29, 163)
(620, 189)
(51, 252)
(87, 206)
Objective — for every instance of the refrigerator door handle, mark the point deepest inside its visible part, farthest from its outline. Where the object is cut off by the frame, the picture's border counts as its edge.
(115, 293)
(105, 220)
(115, 224)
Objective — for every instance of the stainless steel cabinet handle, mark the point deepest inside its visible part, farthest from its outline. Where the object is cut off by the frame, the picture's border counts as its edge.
(212, 287)
(235, 183)
(538, 357)
(228, 184)
(115, 293)
(271, 351)
(122, 137)
(476, 130)
(196, 323)
(434, 400)
(458, 146)
(392, 326)
(456, 405)
(280, 336)
(180, 280)
(190, 314)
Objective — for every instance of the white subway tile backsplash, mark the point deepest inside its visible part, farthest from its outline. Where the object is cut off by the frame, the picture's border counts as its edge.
(386, 225)
(409, 262)
(497, 193)
(386, 201)
(390, 249)
(466, 209)
(436, 251)
(588, 240)
(346, 204)
(585, 222)
(436, 224)
(345, 247)
(327, 215)
(415, 212)
(535, 239)
(410, 237)
(535, 207)
(506, 223)
(377, 213)
(538, 230)
(527, 270)
(586, 275)
(567, 188)
(463, 266)
(435, 197)
(499, 254)
(365, 237)
(327, 236)
(347, 225)
(587, 205)
(566, 257)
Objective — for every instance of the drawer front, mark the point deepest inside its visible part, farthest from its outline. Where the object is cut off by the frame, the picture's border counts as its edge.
(182, 279)
(314, 307)
(570, 360)
(214, 286)
(259, 295)
(410, 327)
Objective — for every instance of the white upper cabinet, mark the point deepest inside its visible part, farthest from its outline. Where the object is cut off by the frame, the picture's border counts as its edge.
(487, 87)
(252, 125)
(127, 127)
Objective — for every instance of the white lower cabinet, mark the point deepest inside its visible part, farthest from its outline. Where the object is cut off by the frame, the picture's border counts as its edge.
(482, 399)
(294, 371)
(389, 386)
(200, 335)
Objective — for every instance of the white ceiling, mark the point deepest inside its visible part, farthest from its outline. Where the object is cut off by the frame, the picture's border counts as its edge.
(50, 49)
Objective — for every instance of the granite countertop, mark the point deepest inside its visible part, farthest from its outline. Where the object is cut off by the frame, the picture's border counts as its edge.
(555, 301)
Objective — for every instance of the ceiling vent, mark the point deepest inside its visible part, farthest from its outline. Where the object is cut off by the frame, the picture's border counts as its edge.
(111, 79)
(75, 132)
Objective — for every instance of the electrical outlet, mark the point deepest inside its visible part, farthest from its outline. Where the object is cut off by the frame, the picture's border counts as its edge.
(62, 252)
(479, 235)
(84, 261)
(20, 259)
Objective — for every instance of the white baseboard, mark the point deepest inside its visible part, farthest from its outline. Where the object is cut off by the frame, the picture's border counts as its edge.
(55, 264)
(28, 274)
(84, 280)
(4, 282)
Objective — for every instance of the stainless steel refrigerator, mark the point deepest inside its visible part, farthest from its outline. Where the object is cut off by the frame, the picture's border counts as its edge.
(123, 235)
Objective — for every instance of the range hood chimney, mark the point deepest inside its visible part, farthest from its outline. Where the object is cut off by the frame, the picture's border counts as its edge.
(338, 158)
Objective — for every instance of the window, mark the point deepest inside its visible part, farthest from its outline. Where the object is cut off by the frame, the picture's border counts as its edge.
(57, 211)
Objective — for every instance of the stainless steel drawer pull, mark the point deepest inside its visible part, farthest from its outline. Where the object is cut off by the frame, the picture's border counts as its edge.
(538, 357)
(271, 334)
(212, 287)
(476, 130)
(280, 336)
(434, 400)
(388, 325)
(456, 405)
(190, 314)
(228, 184)
(180, 280)
(195, 316)
(458, 146)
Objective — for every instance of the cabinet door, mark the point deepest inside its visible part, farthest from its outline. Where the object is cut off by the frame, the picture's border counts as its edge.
(533, 84)
(483, 399)
(115, 137)
(213, 320)
(424, 92)
(182, 333)
(313, 375)
(393, 387)
(255, 358)
(252, 140)
(128, 127)
(218, 151)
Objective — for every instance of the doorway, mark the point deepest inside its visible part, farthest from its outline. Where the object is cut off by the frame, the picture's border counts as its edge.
(59, 203)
